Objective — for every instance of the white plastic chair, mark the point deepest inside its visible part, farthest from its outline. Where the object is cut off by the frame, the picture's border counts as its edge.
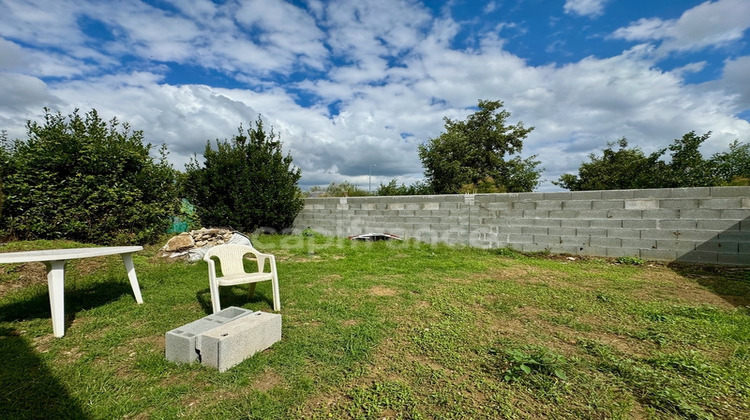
(231, 258)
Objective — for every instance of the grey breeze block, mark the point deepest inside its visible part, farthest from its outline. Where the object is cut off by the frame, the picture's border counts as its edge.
(182, 343)
(229, 344)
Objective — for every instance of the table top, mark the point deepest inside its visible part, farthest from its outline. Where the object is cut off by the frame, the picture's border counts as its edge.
(64, 254)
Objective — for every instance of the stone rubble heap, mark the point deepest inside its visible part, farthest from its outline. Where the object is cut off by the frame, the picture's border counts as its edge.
(194, 244)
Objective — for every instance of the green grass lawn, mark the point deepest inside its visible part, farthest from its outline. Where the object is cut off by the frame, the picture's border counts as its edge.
(386, 330)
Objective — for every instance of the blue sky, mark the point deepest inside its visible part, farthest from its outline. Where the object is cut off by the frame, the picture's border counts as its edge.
(349, 84)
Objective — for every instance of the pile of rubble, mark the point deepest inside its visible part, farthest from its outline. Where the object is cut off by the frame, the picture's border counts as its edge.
(194, 244)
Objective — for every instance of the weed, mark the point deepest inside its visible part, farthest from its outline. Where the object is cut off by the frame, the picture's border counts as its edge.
(528, 361)
(630, 261)
(507, 252)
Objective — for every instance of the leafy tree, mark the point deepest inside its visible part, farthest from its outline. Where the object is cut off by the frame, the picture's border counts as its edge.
(733, 166)
(688, 168)
(246, 183)
(476, 149)
(392, 188)
(630, 168)
(4, 160)
(83, 179)
(343, 189)
(623, 168)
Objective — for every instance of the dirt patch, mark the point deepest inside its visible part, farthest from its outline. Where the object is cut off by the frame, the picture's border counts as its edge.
(382, 291)
(85, 266)
(667, 285)
(267, 380)
(19, 276)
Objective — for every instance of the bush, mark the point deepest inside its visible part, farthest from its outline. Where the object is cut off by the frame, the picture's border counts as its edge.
(83, 179)
(246, 184)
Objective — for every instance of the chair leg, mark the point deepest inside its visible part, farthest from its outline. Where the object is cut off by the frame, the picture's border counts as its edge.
(215, 303)
(276, 298)
(251, 290)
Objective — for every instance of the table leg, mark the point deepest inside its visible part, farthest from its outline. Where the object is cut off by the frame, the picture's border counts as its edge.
(128, 260)
(56, 285)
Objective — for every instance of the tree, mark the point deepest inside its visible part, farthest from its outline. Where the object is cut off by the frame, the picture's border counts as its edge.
(246, 183)
(476, 149)
(615, 170)
(687, 167)
(392, 188)
(342, 189)
(733, 166)
(630, 168)
(83, 179)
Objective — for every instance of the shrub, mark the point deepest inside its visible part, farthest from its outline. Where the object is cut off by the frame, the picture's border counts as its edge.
(83, 179)
(246, 183)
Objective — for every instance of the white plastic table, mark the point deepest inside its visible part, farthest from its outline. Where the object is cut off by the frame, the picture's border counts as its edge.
(55, 260)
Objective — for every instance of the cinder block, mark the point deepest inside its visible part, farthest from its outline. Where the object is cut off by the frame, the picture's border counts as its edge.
(734, 236)
(734, 259)
(681, 204)
(547, 240)
(718, 225)
(691, 192)
(563, 214)
(577, 205)
(549, 205)
(665, 214)
(740, 214)
(741, 191)
(608, 205)
(546, 222)
(599, 232)
(605, 242)
(617, 194)
(557, 196)
(682, 224)
(524, 205)
(699, 257)
(641, 204)
(658, 254)
(625, 214)
(652, 193)
(562, 231)
(181, 343)
(606, 223)
(623, 233)
(623, 252)
(228, 345)
(585, 195)
(721, 203)
(534, 230)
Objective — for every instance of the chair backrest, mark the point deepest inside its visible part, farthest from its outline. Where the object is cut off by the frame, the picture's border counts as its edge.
(230, 256)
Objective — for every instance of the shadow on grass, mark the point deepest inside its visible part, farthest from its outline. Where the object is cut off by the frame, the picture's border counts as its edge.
(235, 296)
(721, 264)
(76, 298)
(729, 283)
(28, 390)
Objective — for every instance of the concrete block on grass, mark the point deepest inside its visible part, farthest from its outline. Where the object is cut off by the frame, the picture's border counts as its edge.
(229, 344)
(182, 342)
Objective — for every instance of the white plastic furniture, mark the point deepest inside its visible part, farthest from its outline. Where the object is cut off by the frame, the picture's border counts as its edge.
(55, 260)
(231, 257)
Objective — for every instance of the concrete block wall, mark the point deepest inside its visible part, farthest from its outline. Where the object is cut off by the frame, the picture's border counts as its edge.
(708, 225)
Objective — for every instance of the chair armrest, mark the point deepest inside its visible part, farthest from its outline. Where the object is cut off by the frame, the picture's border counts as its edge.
(261, 257)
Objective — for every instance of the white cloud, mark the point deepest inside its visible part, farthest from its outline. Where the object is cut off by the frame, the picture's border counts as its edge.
(389, 67)
(736, 81)
(590, 8)
(710, 24)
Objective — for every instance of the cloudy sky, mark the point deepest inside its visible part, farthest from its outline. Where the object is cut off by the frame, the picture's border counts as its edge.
(354, 83)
